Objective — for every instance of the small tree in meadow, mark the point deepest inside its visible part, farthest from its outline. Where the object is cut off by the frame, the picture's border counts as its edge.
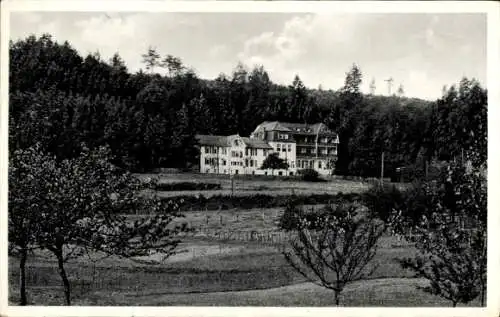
(28, 172)
(452, 257)
(274, 162)
(79, 205)
(336, 247)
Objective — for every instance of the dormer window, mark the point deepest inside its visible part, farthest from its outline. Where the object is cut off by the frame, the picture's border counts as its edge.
(283, 136)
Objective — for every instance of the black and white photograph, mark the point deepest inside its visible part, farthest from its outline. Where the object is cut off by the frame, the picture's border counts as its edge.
(241, 158)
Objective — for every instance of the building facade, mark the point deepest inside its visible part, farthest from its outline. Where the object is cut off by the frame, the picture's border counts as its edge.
(302, 146)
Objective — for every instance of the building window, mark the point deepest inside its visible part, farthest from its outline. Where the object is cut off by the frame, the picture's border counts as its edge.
(280, 173)
(324, 140)
(303, 150)
(291, 173)
(324, 151)
(251, 163)
(283, 136)
(241, 154)
(319, 164)
(289, 148)
(313, 151)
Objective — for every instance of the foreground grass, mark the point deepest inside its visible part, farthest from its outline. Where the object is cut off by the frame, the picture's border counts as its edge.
(389, 292)
(244, 267)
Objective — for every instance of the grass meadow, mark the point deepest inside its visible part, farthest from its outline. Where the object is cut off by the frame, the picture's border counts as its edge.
(220, 270)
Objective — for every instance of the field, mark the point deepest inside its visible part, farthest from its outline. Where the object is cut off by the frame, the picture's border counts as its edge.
(247, 185)
(230, 259)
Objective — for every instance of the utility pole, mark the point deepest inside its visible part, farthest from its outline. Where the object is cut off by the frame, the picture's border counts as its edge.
(372, 87)
(389, 85)
(426, 170)
(382, 170)
(232, 185)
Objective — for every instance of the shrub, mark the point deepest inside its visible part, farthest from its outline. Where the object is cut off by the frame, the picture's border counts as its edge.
(310, 175)
(187, 186)
(294, 211)
(291, 215)
(383, 199)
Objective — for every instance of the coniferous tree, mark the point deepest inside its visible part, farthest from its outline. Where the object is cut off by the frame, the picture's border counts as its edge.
(151, 59)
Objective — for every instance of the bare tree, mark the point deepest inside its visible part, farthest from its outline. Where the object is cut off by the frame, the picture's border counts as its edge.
(335, 247)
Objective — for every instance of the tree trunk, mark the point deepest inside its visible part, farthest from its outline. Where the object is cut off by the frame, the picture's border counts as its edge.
(64, 277)
(22, 277)
(454, 304)
(483, 291)
(337, 298)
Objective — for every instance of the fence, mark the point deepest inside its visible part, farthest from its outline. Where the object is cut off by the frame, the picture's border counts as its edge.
(272, 237)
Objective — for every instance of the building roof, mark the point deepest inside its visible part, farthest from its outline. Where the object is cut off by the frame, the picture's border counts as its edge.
(271, 126)
(226, 141)
(213, 140)
(256, 143)
(301, 128)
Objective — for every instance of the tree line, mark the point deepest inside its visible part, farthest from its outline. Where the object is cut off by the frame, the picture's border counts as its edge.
(61, 99)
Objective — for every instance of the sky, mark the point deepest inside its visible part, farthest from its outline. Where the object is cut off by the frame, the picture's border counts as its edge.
(422, 52)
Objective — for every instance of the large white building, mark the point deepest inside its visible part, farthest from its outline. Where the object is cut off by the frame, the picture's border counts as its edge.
(300, 145)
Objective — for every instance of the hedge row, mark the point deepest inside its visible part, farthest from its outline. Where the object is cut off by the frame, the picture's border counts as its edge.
(224, 202)
(187, 186)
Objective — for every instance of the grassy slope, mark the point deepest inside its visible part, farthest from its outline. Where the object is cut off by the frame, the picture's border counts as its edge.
(392, 292)
(395, 292)
(250, 267)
